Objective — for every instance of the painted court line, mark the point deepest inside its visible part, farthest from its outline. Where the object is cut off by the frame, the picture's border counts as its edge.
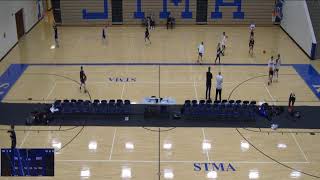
(123, 87)
(195, 89)
(154, 82)
(141, 161)
(113, 139)
(204, 139)
(149, 64)
(51, 91)
(273, 100)
(298, 144)
(25, 137)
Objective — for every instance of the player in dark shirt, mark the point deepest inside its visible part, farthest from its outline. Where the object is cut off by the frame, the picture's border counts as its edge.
(83, 79)
(208, 84)
(56, 35)
(147, 36)
(251, 44)
(218, 53)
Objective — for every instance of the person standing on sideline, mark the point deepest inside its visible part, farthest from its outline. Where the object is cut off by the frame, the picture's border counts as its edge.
(200, 51)
(271, 69)
(251, 45)
(55, 28)
(208, 84)
(218, 53)
(13, 137)
(277, 67)
(223, 43)
(83, 79)
(104, 33)
(219, 81)
(147, 35)
(292, 99)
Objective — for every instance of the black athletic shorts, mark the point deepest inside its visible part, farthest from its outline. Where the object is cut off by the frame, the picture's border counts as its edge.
(270, 72)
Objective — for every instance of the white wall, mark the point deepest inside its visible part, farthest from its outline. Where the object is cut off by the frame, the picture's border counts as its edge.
(8, 8)
(297, 23)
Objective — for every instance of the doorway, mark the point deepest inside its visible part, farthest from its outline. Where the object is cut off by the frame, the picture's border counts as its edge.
(20, 23)
(202, 11)
(117, 12)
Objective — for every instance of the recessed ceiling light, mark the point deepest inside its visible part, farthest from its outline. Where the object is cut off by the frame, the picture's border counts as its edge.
(168, 174)
(282, 146)
(126, 173)
(92, 145)
(56, 144)
(295, 174)
(167, 146)
(206, 145)
(244, 145)
(129, 145)
(212, 175)
(254, 174)
(85, 173)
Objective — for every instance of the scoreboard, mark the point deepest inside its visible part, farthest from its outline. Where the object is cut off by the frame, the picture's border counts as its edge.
(27, 162)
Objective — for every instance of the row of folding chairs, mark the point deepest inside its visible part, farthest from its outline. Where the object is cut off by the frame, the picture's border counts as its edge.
(224, 108)
(96, 107)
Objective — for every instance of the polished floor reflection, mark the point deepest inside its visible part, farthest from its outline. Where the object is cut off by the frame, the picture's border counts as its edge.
(184, 153)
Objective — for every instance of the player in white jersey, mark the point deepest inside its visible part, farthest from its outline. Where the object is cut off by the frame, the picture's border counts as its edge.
(252, 27)
(200, 51)
(223, 43)
(271, 69)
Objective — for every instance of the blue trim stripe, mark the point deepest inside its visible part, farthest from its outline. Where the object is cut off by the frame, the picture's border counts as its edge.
(9, 77)
(147, 64)
(310, 76)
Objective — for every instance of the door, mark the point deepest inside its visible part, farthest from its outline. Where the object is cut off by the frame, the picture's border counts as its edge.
(117, 12)
(202, 11)
(20, 23)
(56, 11)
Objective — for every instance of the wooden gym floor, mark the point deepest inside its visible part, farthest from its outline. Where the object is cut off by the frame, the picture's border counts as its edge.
(108, 152)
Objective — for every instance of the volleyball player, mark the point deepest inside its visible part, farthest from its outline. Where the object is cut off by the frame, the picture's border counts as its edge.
(83, 79)
(271, 70)
(147, 35)
(251, 44)
(277, 67)
(223, 43)
(56, 38)
(252, 27)
(104, 33)
(218, 53)
(200, 51)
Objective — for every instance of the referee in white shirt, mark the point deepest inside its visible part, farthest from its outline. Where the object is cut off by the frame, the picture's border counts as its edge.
(219, 81)
(200, 51)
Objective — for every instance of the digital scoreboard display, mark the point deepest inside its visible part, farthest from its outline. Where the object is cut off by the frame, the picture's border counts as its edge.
(27, 162)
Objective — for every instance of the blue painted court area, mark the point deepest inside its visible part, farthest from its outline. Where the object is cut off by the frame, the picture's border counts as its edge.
(9, 77)
(310, 76)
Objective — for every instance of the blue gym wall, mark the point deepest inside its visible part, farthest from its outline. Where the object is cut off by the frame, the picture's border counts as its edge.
(81, 12)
